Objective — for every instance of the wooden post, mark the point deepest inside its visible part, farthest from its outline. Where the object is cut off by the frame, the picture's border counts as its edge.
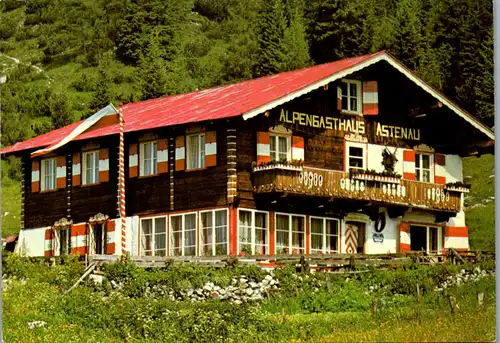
(453, 304)
(374, 306)
(327, 279)
(283, 315)
(419, 300)
(480, 298)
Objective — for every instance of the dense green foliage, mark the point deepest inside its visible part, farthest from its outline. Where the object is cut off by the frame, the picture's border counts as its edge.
(306, 309)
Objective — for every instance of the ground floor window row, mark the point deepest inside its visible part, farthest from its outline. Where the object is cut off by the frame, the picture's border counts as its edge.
(206, 233)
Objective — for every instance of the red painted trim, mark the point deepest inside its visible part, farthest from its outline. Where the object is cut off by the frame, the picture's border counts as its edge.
(78, 230)
(403, 247)
(408, 156)
(272, 233)
(110, 248)
(233, 237)
(308, 234)
(79, 250)
(457, 231)
(441, 180)
(410, 176)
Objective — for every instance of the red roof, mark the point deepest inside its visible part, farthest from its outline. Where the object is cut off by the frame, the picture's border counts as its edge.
(209, 104)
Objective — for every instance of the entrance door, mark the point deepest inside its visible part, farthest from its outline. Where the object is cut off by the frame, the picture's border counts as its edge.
(97, 239)
(361, 238)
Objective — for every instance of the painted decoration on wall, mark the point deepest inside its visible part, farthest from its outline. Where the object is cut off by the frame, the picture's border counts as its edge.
(351, 238)
(378, 236)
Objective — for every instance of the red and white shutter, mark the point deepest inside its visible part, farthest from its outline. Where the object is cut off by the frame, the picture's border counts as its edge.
(440, 169)
(110, 239)
(339, 97)
(370, 98)
(35, 176)
(162, 146)
(409, 165)
(61, 172)
(180, 153)
(103, 165)
(297, 148)
(79, 239)
(404, 237)
(210, 149)
(263, 148)
(456, 237)
(133, 161)
(50, 242)
(76, 169)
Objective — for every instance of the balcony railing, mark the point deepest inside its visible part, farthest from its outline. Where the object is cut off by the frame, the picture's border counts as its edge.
(337, 184)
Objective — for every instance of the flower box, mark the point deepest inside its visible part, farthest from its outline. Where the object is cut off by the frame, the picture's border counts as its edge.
(377, 178)
(278, 166)
(457, 189)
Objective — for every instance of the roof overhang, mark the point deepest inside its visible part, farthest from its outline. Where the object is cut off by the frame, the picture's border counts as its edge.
(383, 56)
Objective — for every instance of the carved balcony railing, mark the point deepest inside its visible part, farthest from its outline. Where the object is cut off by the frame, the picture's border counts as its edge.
(336, 184)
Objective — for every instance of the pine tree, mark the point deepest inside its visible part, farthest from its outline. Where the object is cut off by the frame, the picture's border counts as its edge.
(485, 86)
(272, 48)
(295, 42)
(104, 94)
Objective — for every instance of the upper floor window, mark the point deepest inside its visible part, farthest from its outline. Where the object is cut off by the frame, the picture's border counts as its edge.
(423, 169)
(90, 167)
(351, 96)
(48, 174)
(356, 155)
(280, 147)
(149, 158)
(196, 151)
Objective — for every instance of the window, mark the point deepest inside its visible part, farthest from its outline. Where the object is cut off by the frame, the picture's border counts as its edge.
(280, 148)
(253, 232)
(213, 233)
(290, 234)
(355, 156)
(196, 151)
(423, 169)
(98, 239)
(154, 236)
(324, 235)
(149, 158)
(49, 174)
(351, 95)
(63, 242)
(183, 235)
(90, 167)
(428, 238)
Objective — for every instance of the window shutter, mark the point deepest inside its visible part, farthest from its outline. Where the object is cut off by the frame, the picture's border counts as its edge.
(263, 147)
(104, 165)
(339, 98)
(49, 242)
(297, 148)
(110, 233)
(180, 153)
(210, 149)
(404, 237)
(162, 146)
(409, 165)
(76, 169)
(35, 176)
(61, 172)
(440, 169)
(370, 98)
(133, 160)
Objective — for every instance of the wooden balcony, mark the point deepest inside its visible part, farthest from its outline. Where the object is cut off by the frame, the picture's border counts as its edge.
(337, 184)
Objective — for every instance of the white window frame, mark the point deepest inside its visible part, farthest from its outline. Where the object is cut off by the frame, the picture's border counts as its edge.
(252, 232)
(95, 171)
(153, 161)
(290, 232)
(277, 152)
(183, 233)
(153, 236)
(439, 236)
(200, 155)
(324, 235)
(43, 172)
(418, 155)
(104, 238)
(58, 241)
(362, 146)
(359, 97)
(214, 231)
